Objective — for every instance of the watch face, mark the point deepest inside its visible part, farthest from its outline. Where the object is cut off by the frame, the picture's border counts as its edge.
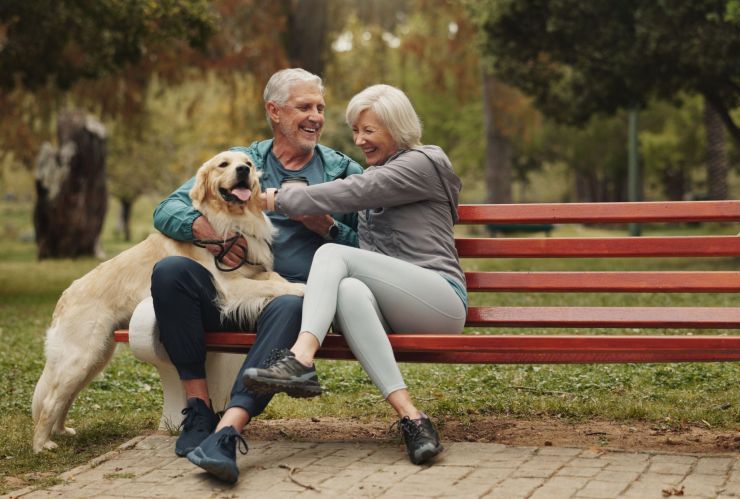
(333, 231)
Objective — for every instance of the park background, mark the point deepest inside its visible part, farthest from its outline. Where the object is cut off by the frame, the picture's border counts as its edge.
(532, 100)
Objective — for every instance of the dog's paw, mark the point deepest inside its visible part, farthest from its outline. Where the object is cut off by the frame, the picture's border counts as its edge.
(297, 288)
(65, 430)
(48, 445)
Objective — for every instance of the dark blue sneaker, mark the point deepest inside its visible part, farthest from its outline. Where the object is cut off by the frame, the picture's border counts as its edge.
(420, 437)
(217, 454)
(199, 422)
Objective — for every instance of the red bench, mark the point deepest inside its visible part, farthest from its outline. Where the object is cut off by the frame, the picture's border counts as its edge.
(558, 348)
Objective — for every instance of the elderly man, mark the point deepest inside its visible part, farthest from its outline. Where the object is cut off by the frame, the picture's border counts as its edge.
(183, 292)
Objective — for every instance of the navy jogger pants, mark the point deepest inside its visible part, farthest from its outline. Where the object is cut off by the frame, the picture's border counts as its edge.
(184, 295)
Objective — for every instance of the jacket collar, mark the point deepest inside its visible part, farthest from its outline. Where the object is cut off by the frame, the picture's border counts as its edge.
(335, 163)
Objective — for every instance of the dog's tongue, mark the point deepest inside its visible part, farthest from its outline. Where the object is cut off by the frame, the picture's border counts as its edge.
(242, 193)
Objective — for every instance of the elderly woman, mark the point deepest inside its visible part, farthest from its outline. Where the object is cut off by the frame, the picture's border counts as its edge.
(406, 275)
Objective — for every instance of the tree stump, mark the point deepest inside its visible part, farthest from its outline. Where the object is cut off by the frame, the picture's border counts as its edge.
(71, 194)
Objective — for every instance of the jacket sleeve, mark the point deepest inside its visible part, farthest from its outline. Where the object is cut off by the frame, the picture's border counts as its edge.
(347, 225)
(406, 179)
(175, 215)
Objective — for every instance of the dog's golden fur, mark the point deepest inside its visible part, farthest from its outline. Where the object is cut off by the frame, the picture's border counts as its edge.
(80, 343)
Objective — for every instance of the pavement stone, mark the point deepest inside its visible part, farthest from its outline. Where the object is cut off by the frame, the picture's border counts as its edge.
(147, 467)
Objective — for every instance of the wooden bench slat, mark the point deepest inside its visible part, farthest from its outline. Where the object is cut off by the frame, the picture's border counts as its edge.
(599, 281)
(609, 317)
(553, 213)
(579, 247)
(516, 349)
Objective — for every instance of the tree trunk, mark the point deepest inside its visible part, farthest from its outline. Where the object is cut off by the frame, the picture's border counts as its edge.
(716, 153)
(306, 36)
(498, 146)
(124, 222)
(675, 181)
(71, 193)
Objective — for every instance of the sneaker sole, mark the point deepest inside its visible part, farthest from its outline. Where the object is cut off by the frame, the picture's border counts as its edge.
(425, 454)
(227, 472)
(268, 386)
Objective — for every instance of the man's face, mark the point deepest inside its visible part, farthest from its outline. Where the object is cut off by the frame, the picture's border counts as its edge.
(300, 120)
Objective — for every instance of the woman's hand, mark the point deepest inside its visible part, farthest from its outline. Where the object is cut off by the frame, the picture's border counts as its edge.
(267, 198)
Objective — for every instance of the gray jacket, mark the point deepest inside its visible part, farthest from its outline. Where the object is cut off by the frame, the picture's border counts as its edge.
(407, 207)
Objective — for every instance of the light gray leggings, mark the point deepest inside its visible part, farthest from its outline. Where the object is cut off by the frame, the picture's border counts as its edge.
(373, 295)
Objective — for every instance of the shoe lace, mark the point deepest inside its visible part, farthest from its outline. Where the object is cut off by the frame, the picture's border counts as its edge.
(193, 417)
(242, 446)
(190, 415)
(409, 427)
(276, 355)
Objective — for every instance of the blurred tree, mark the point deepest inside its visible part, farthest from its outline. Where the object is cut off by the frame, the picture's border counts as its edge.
(46, 48)
(498, 142)
(716, 153)
(596, 155)
(70, 189)
(579, 59)
(305, 38)
(672, 147)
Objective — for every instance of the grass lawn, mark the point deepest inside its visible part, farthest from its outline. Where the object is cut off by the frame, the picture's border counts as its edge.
(126, 399)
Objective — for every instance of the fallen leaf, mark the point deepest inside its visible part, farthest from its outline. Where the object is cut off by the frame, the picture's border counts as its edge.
(672, 491)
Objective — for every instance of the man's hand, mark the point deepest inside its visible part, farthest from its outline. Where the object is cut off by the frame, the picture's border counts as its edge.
(202, 229)
(320, 224)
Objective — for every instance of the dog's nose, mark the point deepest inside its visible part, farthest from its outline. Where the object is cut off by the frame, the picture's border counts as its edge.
(242, 172)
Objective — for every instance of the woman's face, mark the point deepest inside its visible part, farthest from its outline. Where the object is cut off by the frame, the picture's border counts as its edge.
(373, 138)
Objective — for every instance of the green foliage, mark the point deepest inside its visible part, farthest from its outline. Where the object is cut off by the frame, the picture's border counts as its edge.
(673, 148)
(59, 42)
(579, 59)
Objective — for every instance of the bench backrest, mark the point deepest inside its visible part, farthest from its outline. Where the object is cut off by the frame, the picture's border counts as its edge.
(501, 347)
(659, 281)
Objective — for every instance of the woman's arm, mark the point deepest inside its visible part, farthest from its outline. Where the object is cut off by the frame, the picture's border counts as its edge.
(408, 178)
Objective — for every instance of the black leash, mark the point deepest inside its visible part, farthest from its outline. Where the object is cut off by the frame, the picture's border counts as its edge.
(225, 246)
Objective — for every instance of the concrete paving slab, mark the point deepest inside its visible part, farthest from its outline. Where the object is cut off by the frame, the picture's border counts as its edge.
(147, 467)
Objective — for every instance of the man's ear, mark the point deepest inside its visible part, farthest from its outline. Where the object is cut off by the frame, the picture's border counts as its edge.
(273, 111)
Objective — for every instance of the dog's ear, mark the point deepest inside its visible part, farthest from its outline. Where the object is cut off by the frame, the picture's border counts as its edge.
(198, 192)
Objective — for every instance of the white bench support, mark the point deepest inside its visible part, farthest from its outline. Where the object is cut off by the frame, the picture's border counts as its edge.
(221, 368)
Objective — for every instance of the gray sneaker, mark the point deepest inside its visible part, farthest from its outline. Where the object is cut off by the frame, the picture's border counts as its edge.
(420, 437)
(286, 374)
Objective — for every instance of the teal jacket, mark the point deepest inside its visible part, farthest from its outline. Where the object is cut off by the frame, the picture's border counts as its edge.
(175, 215)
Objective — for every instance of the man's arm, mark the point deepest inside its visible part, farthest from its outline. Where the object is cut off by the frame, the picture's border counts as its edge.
(346, 227)
(174, 216)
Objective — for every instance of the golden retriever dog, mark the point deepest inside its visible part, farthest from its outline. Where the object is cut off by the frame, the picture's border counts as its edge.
(80, 343)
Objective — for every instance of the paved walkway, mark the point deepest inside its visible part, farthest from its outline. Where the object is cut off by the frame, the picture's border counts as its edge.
(147, 467)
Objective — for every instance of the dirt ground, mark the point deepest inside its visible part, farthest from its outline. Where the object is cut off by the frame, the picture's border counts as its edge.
(546, 432)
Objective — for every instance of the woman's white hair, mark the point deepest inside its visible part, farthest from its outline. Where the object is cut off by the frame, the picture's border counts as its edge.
(278, 86)
(393, 109)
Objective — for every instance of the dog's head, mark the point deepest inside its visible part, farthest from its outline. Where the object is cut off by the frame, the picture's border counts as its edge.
(227, 182)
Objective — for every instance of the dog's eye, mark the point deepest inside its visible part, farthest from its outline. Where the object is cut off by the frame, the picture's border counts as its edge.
(223, 164)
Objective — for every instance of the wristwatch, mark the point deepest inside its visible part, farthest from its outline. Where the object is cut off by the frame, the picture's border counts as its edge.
(333, 231)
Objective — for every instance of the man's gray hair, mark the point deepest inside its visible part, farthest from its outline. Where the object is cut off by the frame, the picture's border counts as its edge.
(394, 110)
(278, 87)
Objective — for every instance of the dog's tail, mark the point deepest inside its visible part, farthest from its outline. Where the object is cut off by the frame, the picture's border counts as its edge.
(244, 313)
